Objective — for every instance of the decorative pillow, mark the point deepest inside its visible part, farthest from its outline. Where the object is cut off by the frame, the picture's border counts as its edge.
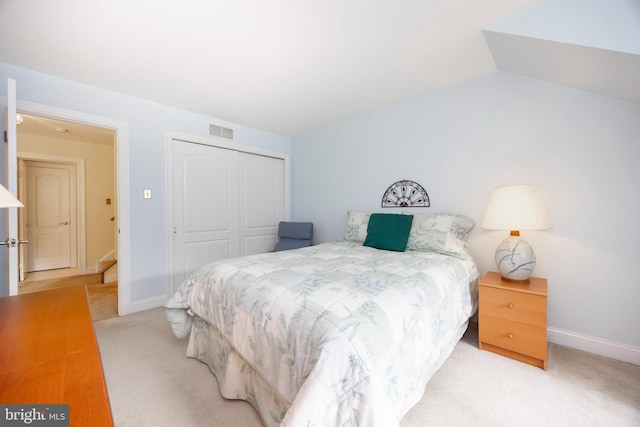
(356, 229)
(388, 231)
(442, 233)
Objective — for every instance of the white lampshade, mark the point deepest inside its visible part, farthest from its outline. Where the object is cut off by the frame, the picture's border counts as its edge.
(515, 208)
(7, 200)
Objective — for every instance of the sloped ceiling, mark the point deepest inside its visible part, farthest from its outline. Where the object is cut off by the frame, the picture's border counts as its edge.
(587, 44)
(291, 66)
(285, 66)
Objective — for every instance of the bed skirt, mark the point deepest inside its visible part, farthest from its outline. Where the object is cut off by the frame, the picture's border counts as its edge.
(238, 380)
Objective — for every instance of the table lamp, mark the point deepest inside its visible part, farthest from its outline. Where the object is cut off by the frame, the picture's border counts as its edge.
(7, 200)
(515, 208)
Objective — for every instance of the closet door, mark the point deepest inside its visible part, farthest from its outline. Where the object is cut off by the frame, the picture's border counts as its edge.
(205, 206)
(261, 189)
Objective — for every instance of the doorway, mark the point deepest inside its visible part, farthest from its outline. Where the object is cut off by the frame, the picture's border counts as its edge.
(50, 216)
(67, 173)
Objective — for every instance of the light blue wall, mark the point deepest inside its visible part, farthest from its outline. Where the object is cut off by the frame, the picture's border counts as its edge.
(611, 24)
(580, 150)
(147, 125)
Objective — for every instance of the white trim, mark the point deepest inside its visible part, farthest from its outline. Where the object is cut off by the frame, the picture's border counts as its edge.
(147, 304)
(81, 235)
(12, 275)
(214, 142)
(168, 215)
(110, 256)
(223, 143)
(125, 306)
(613, 350)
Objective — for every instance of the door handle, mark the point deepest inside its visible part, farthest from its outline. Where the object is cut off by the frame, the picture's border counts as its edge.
(12, 242)
(64, 223)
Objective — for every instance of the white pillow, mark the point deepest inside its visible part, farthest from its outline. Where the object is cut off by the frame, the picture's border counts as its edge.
(356, 229)
(442, 233)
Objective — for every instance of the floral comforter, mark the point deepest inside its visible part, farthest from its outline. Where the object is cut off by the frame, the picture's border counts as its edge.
(344, 334)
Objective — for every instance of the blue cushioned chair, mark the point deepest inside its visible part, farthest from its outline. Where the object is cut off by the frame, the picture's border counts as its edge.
(294, 235)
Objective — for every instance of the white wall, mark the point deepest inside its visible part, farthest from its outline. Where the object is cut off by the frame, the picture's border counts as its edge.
(580, 150)
(147, 122)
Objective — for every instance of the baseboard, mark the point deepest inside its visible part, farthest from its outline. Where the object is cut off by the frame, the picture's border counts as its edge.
(91, 270)
(96, 268)
(111, 255)
(613, 350)
(146, 304)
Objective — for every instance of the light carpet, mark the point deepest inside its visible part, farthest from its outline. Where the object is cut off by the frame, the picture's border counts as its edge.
(103, 297)
(152, 383)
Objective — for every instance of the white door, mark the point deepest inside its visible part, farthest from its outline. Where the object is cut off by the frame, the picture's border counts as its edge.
(23, 252)
(261, 189)
(205, 206)
(48, 216)
(10, 165)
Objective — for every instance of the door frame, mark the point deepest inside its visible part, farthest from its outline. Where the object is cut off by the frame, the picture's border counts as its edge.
(219, 142)
(121, 147)
(10, 258)
(80, 244)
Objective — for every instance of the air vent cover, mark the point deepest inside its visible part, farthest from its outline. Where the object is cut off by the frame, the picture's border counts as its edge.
(216, 130)
(227, 133)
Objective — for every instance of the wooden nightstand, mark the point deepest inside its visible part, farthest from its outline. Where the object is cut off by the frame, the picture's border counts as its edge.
(512, 318)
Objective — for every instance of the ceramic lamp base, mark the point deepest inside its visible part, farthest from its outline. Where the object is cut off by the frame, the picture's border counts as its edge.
(515, 259)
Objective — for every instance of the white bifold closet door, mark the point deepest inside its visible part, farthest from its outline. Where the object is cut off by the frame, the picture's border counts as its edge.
(226, 203)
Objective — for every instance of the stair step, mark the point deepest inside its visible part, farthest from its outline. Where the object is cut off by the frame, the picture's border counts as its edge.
(105, 265)
(110, 275)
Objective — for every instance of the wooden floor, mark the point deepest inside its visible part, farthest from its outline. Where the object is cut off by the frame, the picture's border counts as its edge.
(103, 297)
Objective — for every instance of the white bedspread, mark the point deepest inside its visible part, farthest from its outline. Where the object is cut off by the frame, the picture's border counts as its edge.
(344, 334)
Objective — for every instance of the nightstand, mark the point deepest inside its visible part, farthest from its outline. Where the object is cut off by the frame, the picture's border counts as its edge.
(512, 318)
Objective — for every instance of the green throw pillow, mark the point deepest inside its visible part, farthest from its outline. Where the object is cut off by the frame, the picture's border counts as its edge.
(388, 231)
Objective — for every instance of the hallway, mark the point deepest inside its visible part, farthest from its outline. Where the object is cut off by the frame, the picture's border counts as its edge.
(103, 297)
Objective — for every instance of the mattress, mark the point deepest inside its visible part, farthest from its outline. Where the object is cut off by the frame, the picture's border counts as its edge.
(333, 334)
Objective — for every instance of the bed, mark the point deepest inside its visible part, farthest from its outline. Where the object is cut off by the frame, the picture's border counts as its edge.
(336, 334)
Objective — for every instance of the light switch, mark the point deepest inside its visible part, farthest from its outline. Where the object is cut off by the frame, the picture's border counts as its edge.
(146, 193)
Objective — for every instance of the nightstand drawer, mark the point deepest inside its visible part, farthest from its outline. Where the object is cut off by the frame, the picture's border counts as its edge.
(513, 305)
(514, 336)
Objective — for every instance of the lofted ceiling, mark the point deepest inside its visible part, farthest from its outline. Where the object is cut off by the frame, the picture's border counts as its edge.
(286, 66)
(586, 44)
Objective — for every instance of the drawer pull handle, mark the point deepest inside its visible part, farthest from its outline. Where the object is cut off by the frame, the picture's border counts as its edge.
(510, 335)
(510, 305)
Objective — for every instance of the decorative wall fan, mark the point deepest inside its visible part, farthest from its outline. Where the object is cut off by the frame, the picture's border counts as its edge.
(405, 194)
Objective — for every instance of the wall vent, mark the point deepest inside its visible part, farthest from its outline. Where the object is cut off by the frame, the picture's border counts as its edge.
(215, 130)
(220, 131)
(227, 133)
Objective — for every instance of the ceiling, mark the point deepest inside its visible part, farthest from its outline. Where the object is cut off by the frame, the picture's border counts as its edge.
(64, 130)
(285, 66)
